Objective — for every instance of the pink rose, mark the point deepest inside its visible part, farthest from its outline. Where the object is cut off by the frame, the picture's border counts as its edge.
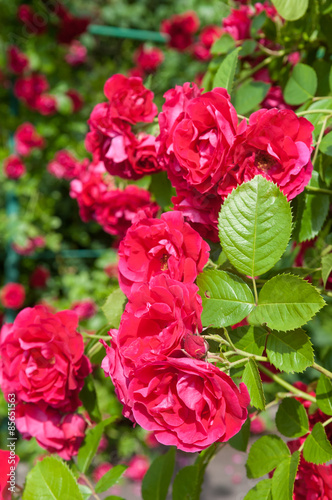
(13, 167)
(45, 104)
(137, 468)
(195, 346)
(70, 26)
(17, 60)
(210, 34)
(76, 54)
(55, 432)
(76, 99)
(12, 295)
(129, 100)
(275, 99)
(238, 23)
(277, 145)
(156, 319)
(39, 277)
(200, 141)
(31, 245)
(29, 88)
(180, 29)
(168, 245)
(100, 471)
(148, 58)
(65, 166)
(27, 138)
(187, 403)
(117, 209)
(8, 463)
(84, 309)
(43, 358)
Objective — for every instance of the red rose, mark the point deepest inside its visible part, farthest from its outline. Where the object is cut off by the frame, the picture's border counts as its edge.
(129, 99)
(148, 58)
(12, 295)
(117, 208)
(70, 26)
(180, 29)
(27, 138)
(195, 346)
(158, 316)
(153, 246)
(210, 34)
(277, 145)
(35, 23)
(13, 167)
(174, 109)
(29, 88)
(201, 139)
(76, 54)
(65, 166)
(100, 471)
(39, 277)
(238, 23)
(42, 358)
(76, 99)
(56, 432)
(187, 403)
(17, 60)
(31, 245)
(46, 104)
(137, 468)
(275, 99)
(84, 309)
(8, 463)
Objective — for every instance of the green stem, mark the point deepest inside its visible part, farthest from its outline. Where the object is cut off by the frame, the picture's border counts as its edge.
(216, 338)
(91, 336)
(255, 290)
(229, 340)
(321, 369)
(318, 190)
(243, 117)
(94, 494)
(94, 349)
(254, 70)
(269, 405)
(314, 112)
(320, 138)
(327, 422)
(286, 385)
(238, 362)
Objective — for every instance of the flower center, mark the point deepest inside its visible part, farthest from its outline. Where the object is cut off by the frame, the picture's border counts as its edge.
(264, 161)
(163, 260)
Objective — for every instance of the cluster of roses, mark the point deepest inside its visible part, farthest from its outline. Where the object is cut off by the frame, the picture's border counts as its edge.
(207, 153)
(117, 151)
(43, 365)
(156, 357)
(26, 139)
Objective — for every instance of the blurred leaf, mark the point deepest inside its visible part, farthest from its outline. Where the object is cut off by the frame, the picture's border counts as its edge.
(249, 95)
(88, 396)
(301, 85)
(156, 481)
(241, 439)
(292, 419)
(291, 10)
(185, 483)
(326, 144)
(253, 381)
(225, 75)
(223, 44)
(90, 445)
(110, 478)
(114, 307)
(324, 394)
(326, 267)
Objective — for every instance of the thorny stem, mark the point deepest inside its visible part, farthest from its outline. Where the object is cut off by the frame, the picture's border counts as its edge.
(269, 405)
(317, 190)
(286, 385)
(320, 138)
(322, 370)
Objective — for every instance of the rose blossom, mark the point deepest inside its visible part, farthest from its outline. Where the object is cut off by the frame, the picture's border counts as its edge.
(76, 54)
(156, 319)
(35, 23)
(76, 99)
(42, 358)
(31, 245)
(207, 37)
(198, 145)
(148, 59)
(129, 99)
(137, 468)
(45, 104)
(84, 309)
(56, 432)
(17, 60)
(187, 402)
(12, 295)
(275, 99)
(180, 29)
(117, 208)
(70, 26)
(277, 145)
(27, 138)
(168, 245)
(64, 165)
(238, 23)
(39, 277)
(29, 88)
(13, 167)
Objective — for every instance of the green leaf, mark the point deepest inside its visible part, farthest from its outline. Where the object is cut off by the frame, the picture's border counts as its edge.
(253, 381)
(261, 491)
(114, 497)
(326, 267)
(51, 479)
(90, 445)
(226, 298)
(248, 47)
(249, 95)
(324, 394)
(313, 209)
(241, 439)
(114, 306)
(225, 75)
(291, 10)
(255, 226)
(157, 479)
(317, 448)
(326, 144)
(161, 188)
(85, 491)
(110, 478)
(302, 84)
(257, 23)
(289, 351)
(201, 462)
(222, 45)
(88, 396)
(330, 75)
(284, 477)
(318, 119)
(286, 302)
(292, 419)
(184, 486)
(265, 454)
(250, 339)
